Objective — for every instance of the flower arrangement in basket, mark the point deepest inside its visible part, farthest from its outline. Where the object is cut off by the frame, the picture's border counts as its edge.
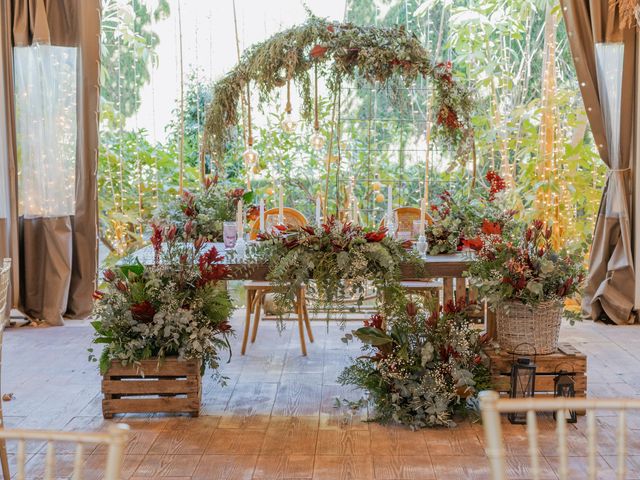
(179, 306)
(419, 367)
(456, 219)
(208, 209)
(527, 281)
(335, 261)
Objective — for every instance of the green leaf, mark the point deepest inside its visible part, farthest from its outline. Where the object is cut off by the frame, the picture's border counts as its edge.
(372, 336)
(136, 268)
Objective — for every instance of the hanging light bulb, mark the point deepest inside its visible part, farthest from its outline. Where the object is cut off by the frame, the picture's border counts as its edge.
(316, 140)
(288, 123)
(250, 156)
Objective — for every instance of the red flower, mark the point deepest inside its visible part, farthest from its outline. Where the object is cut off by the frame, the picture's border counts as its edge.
(225, 327)
(330, 28)
(448, 118)
(171, 233)
(477, 360)
(374, 321)
(528, 235)
(209, 182)
(109, 275)
(377, 236)
(412, 309)
(237, 193)
(142, 312)
(309, 229)
(98, 295)
(120, 285)
(318, 51)
(253, 212)
(156, 241)
(189, 205)
(188, 228)
(199, 242)
(538, 224)
(473, 243)
(407, 244)
(496, 184)
(210, 268)
(548, 232)
(491, 228)
(281, 228)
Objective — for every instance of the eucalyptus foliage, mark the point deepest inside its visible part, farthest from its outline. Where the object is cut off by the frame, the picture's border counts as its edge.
(339, 51)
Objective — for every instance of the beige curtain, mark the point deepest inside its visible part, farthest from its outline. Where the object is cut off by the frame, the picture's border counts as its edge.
(57, 256)
(594, 33)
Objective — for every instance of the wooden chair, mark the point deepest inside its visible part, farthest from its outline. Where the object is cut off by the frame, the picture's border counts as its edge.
(5, 274)
(115, 438)
(429, 289)
(492, 406)
(257, 291)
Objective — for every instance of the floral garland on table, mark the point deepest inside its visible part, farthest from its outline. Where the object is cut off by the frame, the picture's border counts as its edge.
(177, 306)
(526, 268)
(335, 261)
(420, 367)
(208, 209)
(458, 220)
(340, 50)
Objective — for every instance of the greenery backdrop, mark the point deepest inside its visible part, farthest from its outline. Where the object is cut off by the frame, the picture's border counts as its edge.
(495, 46)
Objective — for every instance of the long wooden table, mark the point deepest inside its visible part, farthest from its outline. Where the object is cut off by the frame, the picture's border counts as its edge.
(450, 268)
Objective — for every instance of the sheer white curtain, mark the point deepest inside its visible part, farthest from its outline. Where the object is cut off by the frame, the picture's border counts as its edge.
(609, 64)
(46, 129)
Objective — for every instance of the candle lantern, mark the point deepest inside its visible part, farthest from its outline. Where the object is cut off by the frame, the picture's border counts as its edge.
(523, 385)
(564, 387)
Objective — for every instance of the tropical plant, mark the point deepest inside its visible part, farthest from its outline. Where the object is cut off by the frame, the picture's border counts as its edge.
(418, 367)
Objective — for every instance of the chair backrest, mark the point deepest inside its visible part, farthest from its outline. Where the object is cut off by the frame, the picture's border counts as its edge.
(405, 217)
(492, 406)
(292, 218)
(5, 274)
(115, 438)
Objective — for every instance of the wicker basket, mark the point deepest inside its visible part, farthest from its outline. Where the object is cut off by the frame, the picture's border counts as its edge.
(525, 330)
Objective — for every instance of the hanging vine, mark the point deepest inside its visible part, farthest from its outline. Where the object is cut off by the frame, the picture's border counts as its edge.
(340, 50)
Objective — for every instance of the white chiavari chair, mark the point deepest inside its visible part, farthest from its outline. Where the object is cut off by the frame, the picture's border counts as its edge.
(115, 438)
(5, 274)
(491, 406)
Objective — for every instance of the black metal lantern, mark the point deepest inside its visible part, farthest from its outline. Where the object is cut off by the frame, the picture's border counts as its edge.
(523, 385)
(564, 387)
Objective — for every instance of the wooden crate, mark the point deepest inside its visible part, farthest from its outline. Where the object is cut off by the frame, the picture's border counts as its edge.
(174, 386)
(567, 358)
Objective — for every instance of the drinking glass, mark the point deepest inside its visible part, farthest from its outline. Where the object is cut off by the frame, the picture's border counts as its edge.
(415, 230)
(229, 234)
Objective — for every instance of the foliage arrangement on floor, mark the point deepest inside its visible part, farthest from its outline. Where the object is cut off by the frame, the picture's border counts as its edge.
(179, 306)
(339, 51)
(418, 367)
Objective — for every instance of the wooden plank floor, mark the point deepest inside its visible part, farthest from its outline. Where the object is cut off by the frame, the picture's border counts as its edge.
(276, 417)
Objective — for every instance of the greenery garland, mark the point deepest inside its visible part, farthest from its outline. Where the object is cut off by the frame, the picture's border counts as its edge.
(335, 262)
(340, 50)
